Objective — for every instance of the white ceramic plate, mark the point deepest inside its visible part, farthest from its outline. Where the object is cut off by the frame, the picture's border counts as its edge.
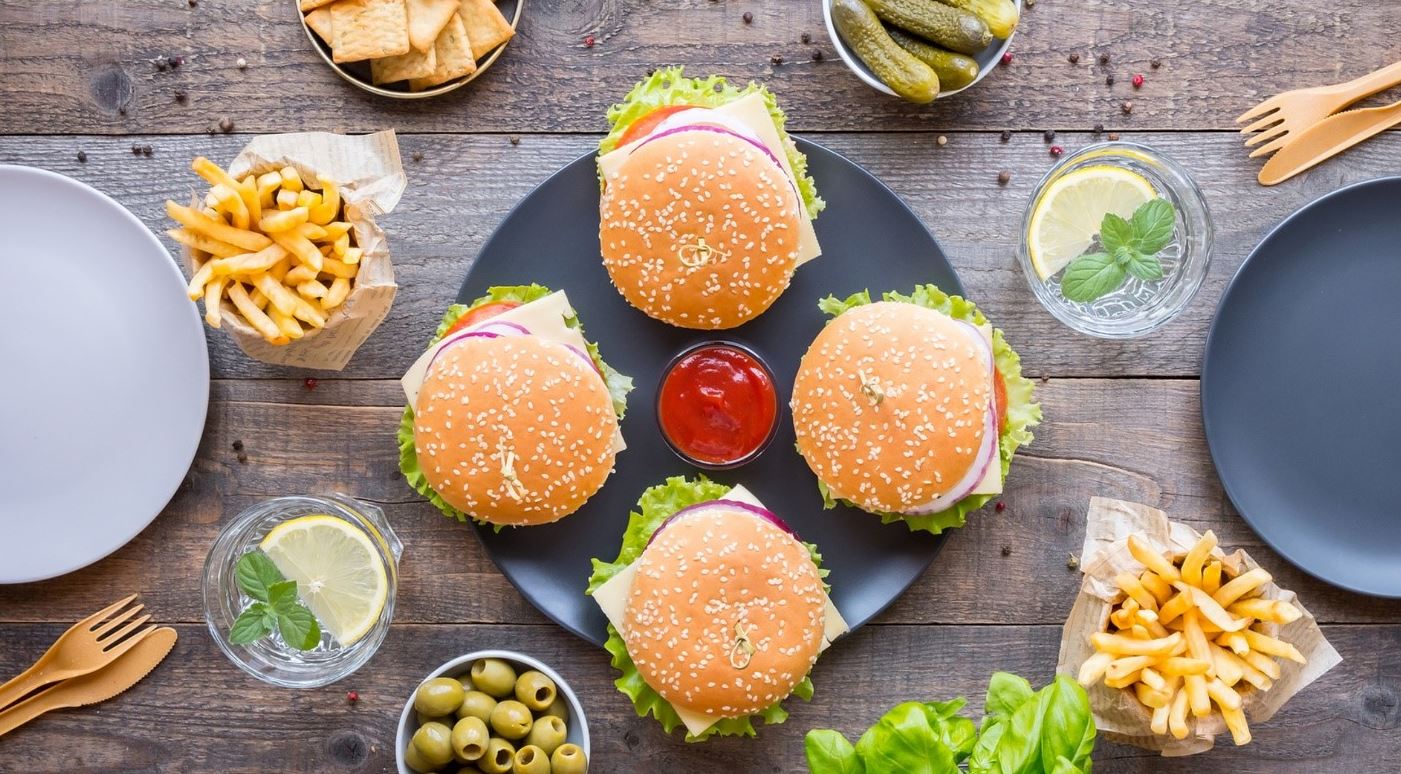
(105, 375)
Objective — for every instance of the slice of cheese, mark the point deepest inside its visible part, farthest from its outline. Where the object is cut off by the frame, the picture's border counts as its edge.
(612, 598)
(750, 111)
(992, 479)
(543, 317)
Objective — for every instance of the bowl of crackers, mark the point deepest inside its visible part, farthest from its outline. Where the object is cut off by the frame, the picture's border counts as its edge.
(409, 49)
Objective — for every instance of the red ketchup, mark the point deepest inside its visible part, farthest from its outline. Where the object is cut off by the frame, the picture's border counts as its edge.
(717, 405)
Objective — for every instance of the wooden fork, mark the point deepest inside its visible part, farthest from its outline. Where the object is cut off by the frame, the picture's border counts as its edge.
(1276, 120)
(89, 645)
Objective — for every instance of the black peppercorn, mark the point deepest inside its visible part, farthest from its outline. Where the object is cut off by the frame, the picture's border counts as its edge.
(748, 17)
(1049, 135)
(1004, 177)
(806, 38)
(817, 55)
(1156, 63)
(1006, 550)
(1099, 128)
(238, 445)
(82, 157)
(776, 60)
(226, 125)
(1074, 58)
(1006, 135)
(418, 156)
(1108, 80)
(1104, 59)
(181, 96)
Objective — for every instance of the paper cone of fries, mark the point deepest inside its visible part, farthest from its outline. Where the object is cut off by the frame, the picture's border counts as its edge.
(1109, 565)
(370, 177)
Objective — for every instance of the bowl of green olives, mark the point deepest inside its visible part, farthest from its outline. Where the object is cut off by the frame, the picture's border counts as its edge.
(493, 712)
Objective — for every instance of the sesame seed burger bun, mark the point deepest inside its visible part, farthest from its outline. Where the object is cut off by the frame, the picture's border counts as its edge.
(700, 229)
(514, 430)
(702, 575)
(890, 405)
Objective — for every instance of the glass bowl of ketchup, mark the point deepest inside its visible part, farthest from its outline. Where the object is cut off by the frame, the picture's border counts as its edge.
(717, 405)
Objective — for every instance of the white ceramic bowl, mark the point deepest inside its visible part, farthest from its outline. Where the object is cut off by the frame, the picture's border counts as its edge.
(987, 59)
(578, 725)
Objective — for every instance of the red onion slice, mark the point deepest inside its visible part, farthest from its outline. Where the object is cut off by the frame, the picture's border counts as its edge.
(503, 328)
(987, 453)
(709, 128)
(706, 116)
(581, 353)
(456, 337)
(752, 510)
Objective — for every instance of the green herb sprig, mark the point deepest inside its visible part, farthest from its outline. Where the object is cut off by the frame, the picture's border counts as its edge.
(275, 607)
(1129, 247)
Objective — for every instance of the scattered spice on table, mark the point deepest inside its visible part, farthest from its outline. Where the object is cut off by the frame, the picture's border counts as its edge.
(1006, 57)
(242, 457)
(310, 383)
(1156, 63)
(418, 155)
(1006, 135)
(352, 696)
(942, 140)
(161, 62)
(147, 151)
(589, 41)
(748, 17)
(242, 63)
(238, 445)
(226, 125)
(1109, 80)
(1074, 58)
(1099, 128)
(136, 150)
(181, 96)
(1004, 177)
(176, 61)
(817, 55)
(1072, 562)
(1001, 506)
(1113, 136)
(1104, 59)
(193, 3)
(82, 157)
(1138, 80)
(1006, 550)
(1127, 106)
(515, 139)
(1057, 150)
(1049, 135)
(805, 38)
(776, 60)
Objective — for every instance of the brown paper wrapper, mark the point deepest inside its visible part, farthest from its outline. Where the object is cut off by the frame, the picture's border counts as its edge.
(1118, 714)
(371, 176)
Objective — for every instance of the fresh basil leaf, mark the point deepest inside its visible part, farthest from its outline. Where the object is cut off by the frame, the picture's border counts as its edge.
(902, 740)
(1067, 725)
(828, 752)
(984, 757)
(1019, 748)
(250, 626)
(1115, 232)
(1091, 276)
(1145, 267)
(956, 733)
(1153, 225)
(1064, 766)
(254, 573)
(1006, 692)
(283, 595)
(298, 627)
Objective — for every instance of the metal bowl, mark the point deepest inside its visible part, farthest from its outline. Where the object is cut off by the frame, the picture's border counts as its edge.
(358, 73)
(987, 59)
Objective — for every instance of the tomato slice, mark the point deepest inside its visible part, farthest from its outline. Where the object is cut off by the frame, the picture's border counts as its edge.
(482, 314)
(999, 389)
(644, 125)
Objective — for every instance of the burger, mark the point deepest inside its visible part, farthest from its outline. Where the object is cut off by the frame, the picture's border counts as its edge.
(717, 611)
(512, 416)
(707, 207)
(911, 407)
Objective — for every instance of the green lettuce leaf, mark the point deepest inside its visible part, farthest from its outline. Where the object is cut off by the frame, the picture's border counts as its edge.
(1022, 411)
(653, 508)
(670, 86)
(618, 386)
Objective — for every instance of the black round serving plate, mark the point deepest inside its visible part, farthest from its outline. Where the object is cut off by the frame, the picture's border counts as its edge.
(870, 239)
(1299, 386)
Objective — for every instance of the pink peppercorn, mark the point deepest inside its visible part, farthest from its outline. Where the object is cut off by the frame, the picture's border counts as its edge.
(1138, 80)
(310, 383)
(588, 41)
(1006, 57)
(1057, 150)
(1001, 506)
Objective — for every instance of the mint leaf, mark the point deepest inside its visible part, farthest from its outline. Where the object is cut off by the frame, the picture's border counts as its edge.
(1091, 276)
(1115, 232)
(1153, 224)
(1123, 256)
(298, 627)
(255, 573)
(250, 625)
(282, 595)
(1145, 267)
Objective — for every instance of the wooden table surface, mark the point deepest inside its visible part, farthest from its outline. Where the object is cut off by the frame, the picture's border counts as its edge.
(1122, 418)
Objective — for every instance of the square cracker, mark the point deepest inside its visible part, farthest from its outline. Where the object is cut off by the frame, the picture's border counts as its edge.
(311, 5)
(486, 27)
(455, 58)
(414, 64)
(368, 29)
(427, 18)
(319, 21)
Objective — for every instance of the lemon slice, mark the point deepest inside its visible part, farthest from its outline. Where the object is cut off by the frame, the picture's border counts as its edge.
(339, 574)
(1068, 214)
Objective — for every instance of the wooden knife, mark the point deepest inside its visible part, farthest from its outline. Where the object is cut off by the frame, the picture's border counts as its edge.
(94, 687)
(1328, 137)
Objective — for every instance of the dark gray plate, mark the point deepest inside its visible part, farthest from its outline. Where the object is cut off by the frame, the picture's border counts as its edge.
(869, 239)
(1299, 386)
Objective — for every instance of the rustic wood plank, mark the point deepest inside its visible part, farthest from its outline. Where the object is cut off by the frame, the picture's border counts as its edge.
(464, 185)
(87, 67)
(199, 713)
(1135, 439)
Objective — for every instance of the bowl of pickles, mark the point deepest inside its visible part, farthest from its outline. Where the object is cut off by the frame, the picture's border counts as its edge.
(493, 712)
(921, 50)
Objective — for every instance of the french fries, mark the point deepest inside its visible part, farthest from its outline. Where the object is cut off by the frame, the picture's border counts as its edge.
(1189, 637)
(280, 251)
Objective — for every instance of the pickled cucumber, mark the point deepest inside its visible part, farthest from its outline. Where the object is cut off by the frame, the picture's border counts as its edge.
(897, 68)
(1001, 16)
(953, 28)
(954, 70)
